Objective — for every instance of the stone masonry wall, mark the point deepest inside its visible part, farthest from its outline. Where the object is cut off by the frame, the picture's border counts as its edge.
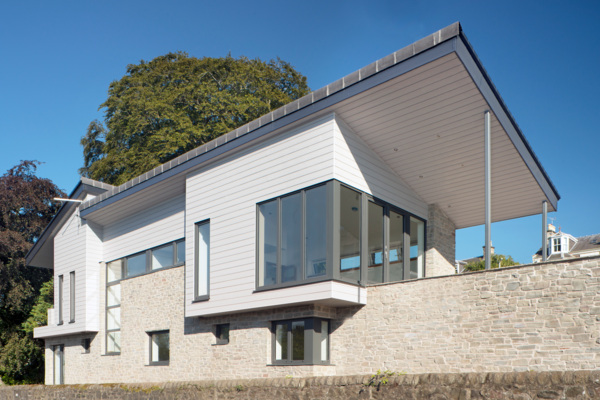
(440, 242)
(580, 385)
(541, 317)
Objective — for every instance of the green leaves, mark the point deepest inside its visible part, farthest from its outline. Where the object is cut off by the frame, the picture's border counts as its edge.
(165, 107)
(498, 261)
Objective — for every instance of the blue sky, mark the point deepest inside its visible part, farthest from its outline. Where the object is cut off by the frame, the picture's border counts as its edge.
(58, 58)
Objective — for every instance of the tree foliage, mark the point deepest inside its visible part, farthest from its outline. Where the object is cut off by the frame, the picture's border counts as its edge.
(26, 208)
(498, 261)
(162, 108)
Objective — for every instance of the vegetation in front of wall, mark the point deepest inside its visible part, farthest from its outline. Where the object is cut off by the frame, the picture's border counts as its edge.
(382, 378)
(498, 261)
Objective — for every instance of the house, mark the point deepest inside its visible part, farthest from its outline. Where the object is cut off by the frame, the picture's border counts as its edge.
(562, 246)
(240, 258)
(461, 264)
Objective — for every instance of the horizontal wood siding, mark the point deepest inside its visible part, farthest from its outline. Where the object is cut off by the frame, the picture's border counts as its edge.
(227, 193)
(92, 276)
(145, 229)
(359, 166)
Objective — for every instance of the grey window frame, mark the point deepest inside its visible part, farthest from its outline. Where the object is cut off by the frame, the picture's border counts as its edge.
(333, 260)
(206, 296)
(61, 282)
(219, 332)
(72, 297)
(86, 344)
(150, 334)
(312, 344)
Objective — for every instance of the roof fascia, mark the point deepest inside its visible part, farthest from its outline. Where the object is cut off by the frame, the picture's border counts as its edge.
(416, 61)
(59, 218)
(483, 82)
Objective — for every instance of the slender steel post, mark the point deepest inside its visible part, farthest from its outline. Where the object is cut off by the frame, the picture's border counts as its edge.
(488, 192)
(544, 230)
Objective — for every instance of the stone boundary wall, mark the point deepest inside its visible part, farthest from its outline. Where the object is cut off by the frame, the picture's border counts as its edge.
(515, 385)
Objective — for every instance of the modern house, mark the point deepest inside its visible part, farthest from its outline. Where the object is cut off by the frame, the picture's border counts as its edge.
(562, 245)
(245, 257)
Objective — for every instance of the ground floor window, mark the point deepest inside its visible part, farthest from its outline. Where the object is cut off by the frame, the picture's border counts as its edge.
(301, 341)
(58, 354)
(159, 348)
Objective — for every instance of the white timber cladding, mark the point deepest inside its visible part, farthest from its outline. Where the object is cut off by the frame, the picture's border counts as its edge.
(145, 229)
(77, 248)
(356, 164)
(227, 193)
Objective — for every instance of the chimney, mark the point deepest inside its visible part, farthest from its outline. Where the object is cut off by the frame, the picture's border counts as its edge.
(551, 228)
(491, 251)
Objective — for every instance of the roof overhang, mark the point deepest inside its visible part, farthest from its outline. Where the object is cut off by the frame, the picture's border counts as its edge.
(421, 109)
(41, 253)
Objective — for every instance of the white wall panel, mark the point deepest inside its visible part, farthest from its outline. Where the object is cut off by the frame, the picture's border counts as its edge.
(358, 165)
(227, 193)
(145, 229)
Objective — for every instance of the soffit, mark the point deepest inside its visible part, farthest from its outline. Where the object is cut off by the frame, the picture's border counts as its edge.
(428, 126)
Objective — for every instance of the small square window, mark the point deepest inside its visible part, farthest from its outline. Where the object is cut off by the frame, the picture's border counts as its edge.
(222, 333)
(85, 344)
(159, 348)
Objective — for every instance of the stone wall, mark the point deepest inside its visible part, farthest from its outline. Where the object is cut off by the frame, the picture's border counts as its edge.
(579, 385)
(440, 243)
(540, 317)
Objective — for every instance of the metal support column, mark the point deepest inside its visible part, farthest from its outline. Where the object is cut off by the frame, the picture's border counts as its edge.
(544, 230)
(488, 192)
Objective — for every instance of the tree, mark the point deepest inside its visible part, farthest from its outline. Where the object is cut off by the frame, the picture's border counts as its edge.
(26, 208)
(498, 261)
(165, 107)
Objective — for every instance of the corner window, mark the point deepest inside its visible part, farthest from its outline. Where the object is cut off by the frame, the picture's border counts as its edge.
(159, 348)
(202, 262)
(301, 341)
(331, 231)
(222, 333)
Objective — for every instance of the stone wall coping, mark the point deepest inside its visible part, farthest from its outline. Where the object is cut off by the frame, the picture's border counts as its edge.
(472, 379)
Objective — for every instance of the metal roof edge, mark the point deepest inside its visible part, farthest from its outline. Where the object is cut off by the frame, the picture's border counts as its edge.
(493, 88)
(342, 84)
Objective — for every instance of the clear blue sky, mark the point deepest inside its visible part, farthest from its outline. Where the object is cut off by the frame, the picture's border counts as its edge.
(58, 58)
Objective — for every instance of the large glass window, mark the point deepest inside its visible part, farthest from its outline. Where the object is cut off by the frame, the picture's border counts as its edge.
(301, 341)
(332, 231)
(292, 238)
(202, 264)
(159, 348)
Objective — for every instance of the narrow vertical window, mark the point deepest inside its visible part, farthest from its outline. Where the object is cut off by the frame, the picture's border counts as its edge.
(291, 238)
(349, 234)
(202, 264)
(72, 296)
(268, 226)
(417, 245)
(58, 353)
(396, 253)
(114, 274)
(316, 240)
(324, 340)
(375, 244)
(60, 299)
(222, 333)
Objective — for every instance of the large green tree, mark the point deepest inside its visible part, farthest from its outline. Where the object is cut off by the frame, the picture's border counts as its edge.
(498, 261)
(26, 208)
(162, 108)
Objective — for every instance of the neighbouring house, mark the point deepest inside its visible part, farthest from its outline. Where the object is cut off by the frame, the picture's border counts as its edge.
(461, 264)
(251, 256)
(562, 245)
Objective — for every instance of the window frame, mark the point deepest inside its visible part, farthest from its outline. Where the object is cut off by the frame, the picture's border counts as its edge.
(86, 344)
(312, 342)
(333, 258)
(206, 296)
(218, 333)
(72, 293)
(61, 282)
(58, 352)
(150, 335)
